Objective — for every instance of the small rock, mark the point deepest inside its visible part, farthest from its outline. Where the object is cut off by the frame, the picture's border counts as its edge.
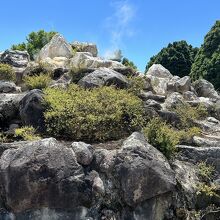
(83, 152)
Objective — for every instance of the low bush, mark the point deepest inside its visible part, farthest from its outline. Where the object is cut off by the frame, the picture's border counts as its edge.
(207, 190)
(162, 136)
(206, 171)
(99, 114)
(136, 84)
(7, 72)
(189, 114)
(40, 81)
(26, 133)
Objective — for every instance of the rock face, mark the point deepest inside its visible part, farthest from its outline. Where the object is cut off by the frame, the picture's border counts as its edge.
(31, 109)
(140, 161)
(15, 58)
(205, 89)
(85, 47)
(33, 173)
(9, 107)
(57, 47)
(7, 87)
(104, 77)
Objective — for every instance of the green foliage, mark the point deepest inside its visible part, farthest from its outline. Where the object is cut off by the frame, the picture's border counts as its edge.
(177, 57)
(7, 72)
(27, 133)
(136, 84)
(189, 114)
(162, 136)
(207, 190)
(187, 134)
(92, 115)
(207, 61)
(40, 81)
(205, 171)
(129, 63)
(3, 137)
(35, 41)
(20, 47)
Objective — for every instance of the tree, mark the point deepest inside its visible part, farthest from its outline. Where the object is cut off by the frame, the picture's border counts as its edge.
(176, 57)
(207, 61)
(129, 63)
(35, 42)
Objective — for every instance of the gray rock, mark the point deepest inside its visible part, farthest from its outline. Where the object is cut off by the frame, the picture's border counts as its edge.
(157, 70)
(82, 61)
(211, 155)
(31, 109)
(85, 47)
(190, 96)
(36, 171)
(170, 117)
(9, 106)
(57, 47)
(206, 141)
(83, 151)
(205, 89)
(15, 58)
(183, 84)
(173, 100)
(159, 78)
(104, 77)
(149, 95)
(7, 87)
(143, 172)
(153, 104)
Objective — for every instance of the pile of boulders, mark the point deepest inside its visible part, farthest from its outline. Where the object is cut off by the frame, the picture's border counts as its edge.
(78, 180)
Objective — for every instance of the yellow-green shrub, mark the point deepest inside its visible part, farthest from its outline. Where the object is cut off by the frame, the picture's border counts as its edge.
(189, 114)
(99, 114)
(136, 84)
(206, 171)
(38, 81)
(27, 133)
(7, 72)
(162, 136)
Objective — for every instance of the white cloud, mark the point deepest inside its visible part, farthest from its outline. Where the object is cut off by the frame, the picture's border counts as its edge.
(119, 25)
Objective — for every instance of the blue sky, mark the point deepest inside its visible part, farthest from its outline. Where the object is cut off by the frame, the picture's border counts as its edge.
(140, 28)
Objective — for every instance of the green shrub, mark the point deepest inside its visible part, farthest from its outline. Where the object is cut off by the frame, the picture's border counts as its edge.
(3, 137)
(187, 134)
(7, 72)
(162, 136)
(207, 190)
(37, 81)
(189, 114)
(205, 171)
(27, 133)
(129, 63)
(136, 85)
(99, 114)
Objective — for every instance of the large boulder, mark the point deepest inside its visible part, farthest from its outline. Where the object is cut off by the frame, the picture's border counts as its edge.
(9, 107)
(173, 100)
(82, 61)
(159, 78)
(104, 77)
(57, 47)
(85, 47)
(31, 109)
(143, 172)
(180, 85)
(40, 174)
(15, 58)
(205, 89)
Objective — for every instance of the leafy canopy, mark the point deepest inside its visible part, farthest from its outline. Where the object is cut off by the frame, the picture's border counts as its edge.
(35, 41)
(176, 57)
(207, 61)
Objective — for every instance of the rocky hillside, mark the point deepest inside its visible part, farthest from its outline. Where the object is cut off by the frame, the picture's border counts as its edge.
(86, 138)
